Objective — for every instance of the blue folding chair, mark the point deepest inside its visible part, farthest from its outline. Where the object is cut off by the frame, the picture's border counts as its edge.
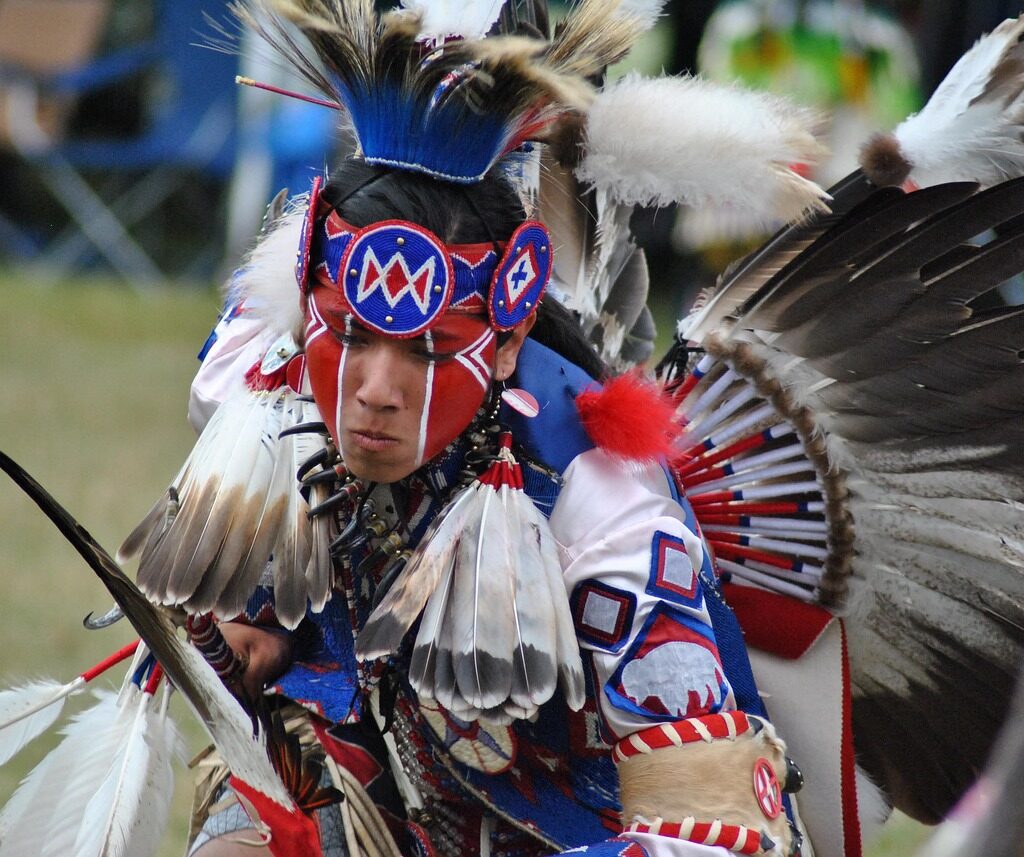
(188, 128)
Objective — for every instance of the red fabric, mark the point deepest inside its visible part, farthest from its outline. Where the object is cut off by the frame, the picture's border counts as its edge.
(629, 418)
(848, 764)
(292, 832)
(256, 381)
(776, 623)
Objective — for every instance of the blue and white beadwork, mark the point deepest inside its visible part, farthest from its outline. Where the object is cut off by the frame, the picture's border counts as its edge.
(302, 260)
(397, 277)
(521, 277)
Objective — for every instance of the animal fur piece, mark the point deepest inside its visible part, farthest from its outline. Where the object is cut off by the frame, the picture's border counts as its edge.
(442, 18)
(629, 418)
(971, 128)
(666, 140)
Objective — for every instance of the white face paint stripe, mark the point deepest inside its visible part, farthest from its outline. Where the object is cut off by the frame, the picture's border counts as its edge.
(316, 325)
(341, 373)
(421, 443)
(472, 358)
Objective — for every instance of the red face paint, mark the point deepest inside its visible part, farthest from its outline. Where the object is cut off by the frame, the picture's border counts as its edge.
(393, 404)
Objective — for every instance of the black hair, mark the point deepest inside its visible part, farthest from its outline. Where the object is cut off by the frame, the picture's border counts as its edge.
(457, 214)
(489, 210)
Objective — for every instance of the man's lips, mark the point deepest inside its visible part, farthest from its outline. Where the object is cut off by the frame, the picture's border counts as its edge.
(374, 441)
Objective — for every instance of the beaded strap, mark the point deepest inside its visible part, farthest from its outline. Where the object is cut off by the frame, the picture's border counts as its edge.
(207, 637)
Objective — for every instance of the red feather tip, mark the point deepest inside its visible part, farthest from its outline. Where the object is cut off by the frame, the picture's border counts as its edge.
(630, 418)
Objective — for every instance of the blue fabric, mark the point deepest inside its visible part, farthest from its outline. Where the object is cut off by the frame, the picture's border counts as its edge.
(555, 436)
(731, 648)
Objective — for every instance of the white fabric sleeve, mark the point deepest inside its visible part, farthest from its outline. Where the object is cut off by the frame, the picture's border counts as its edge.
(630, 567)
(241, 341)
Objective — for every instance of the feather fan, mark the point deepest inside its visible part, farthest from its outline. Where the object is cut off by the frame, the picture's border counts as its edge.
(495, 631)
(854, 439)
(666, 140)
(970, 129)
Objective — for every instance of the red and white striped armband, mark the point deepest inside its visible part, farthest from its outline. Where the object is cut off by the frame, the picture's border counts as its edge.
(712, 780)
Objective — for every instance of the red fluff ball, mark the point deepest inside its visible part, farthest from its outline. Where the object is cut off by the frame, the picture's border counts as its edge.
(629, 418)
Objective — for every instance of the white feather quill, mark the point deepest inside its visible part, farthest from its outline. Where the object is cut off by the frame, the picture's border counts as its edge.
(971, 128)
(27, 711)
(483, 605)
(44, 815)
(666, 140)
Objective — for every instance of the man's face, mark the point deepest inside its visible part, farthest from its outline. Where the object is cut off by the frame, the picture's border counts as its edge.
(392, 404)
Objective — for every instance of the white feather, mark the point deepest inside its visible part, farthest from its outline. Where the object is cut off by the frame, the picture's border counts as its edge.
(45, 812)
(266, 281)
(231, 729)
(971, 128)
(114, 811)
(570, 665)
(422, 670)
(665, 140)
(128, 811)
(465, 18)
(158, 790)
(399, 608)
(29, 710)
(483, 605)
(534, 667)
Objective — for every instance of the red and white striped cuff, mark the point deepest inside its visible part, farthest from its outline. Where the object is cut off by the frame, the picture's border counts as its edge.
(735, 837)
(712, 727)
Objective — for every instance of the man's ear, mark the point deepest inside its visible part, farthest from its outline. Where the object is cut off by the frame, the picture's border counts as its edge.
(508, 352)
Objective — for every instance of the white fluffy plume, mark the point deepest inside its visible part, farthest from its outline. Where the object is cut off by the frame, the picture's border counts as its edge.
(971, 128)
(267, 279)
(441, 18)
(683, 139)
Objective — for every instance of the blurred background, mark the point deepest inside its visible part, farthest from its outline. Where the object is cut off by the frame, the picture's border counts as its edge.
(134, 174)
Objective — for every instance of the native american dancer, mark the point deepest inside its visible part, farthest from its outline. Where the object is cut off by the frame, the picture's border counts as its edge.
(498, 608)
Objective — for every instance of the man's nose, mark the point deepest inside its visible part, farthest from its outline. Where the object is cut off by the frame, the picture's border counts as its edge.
(378, 386)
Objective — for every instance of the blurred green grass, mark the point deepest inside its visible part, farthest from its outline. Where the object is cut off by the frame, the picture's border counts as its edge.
(95, 379)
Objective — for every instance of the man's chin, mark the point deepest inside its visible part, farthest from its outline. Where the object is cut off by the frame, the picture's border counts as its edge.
(371, 468)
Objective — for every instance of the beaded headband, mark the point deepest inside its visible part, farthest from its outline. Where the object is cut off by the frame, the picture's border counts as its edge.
(398, 278)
